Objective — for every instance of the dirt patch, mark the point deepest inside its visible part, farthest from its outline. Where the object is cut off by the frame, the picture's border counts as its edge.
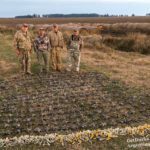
(66, 102)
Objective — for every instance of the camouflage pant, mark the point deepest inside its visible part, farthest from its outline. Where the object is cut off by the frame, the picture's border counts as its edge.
(74, 57)
(43, 60)
(56, 58)
(25, 61)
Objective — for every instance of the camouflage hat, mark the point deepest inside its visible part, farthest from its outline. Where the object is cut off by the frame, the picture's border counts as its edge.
(25, 25)
(42, 28)
(55, 25)
(75, 30)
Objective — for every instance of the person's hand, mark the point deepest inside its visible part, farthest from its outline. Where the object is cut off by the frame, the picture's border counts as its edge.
(30, 51)
(17, 52)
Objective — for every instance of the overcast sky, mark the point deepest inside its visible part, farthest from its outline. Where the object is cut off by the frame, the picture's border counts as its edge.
(11, 8)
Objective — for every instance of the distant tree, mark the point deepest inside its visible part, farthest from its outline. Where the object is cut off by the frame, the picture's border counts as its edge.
(69, 15)
(148, 14)
(29, 16)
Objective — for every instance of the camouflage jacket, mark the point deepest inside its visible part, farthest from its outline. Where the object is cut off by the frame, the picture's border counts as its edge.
(75, 42)
(42, 43)
(22, 40)
(56, 39)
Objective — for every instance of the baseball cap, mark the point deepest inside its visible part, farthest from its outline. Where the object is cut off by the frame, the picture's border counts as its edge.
(55, 25)
(42, 28)
(75, 30)
(25, 25)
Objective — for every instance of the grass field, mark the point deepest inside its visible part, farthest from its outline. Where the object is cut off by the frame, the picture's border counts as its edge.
(10, 21)
(112, 89)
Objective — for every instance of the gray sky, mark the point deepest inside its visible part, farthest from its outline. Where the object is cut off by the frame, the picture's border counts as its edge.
(11, 8)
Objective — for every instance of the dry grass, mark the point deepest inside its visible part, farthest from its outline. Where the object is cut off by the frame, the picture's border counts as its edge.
(132, 42)
(131, 68)
(124, 28)
(77, 20)
(5, 66)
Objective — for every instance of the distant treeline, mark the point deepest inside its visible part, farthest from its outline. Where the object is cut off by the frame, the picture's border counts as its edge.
(68, 15)
(29, 16)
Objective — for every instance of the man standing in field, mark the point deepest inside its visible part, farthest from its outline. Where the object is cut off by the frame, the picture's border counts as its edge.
(57, 44)
(74, 51)
(42, 47)
(23, 46)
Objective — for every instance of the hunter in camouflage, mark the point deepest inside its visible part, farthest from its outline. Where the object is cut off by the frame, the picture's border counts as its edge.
(74, 51)
(23, 46)
(42, 47)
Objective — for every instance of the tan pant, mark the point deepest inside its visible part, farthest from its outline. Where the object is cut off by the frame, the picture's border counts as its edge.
(56, 58)
(25, 61)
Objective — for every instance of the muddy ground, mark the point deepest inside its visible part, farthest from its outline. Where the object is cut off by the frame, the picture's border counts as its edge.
(68, 102)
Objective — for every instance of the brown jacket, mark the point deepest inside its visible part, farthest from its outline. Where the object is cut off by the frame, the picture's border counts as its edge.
(56, 39)
(22, 40)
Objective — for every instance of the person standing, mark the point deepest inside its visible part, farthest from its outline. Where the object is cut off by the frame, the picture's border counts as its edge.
(23, 46)
(75, 46)
(42, 47)
(57, 44)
